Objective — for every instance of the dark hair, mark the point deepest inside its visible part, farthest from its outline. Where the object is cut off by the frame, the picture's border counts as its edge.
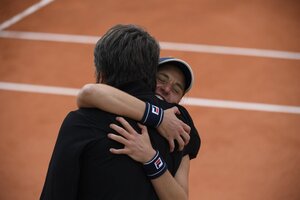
(126, 53)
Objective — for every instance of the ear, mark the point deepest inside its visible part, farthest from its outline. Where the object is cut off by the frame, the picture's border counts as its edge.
(99, 77)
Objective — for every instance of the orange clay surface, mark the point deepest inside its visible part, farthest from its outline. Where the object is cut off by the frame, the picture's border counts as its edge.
(245, 155)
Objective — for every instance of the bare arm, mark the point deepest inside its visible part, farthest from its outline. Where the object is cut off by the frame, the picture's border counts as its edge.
(177, 187)
(113, 100)
(139, 148)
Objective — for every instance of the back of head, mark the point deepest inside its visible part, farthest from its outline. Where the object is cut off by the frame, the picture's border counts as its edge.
(126, 53)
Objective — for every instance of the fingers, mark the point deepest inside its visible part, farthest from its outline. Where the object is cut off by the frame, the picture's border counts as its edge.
(127, 134)
(118, 151)
(117, 138)
(186, 133)
(120, 130)
(172, 145)
(144, 129)
(176, 110)
(126, 125)
(126, 131)
(180, 142)
(186, 127)
(186, 137)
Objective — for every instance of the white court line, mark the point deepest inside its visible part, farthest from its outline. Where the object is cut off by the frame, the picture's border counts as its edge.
(21, 87)
(241, 105)
(24, 14)
(199, 48)
(186, 101)
(52, 37)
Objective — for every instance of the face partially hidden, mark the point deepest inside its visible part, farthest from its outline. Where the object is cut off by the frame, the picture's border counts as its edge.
(170, 83)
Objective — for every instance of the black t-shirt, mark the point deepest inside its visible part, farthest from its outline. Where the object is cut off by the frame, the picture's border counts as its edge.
(82, 166)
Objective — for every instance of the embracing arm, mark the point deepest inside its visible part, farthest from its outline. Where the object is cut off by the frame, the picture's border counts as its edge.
(113, 100)
(177, 186)
(139, 148)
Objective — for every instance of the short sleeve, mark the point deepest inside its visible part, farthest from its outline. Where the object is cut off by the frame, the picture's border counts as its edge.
(192, 148)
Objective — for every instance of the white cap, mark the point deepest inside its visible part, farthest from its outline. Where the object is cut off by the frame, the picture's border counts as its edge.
(184, 67)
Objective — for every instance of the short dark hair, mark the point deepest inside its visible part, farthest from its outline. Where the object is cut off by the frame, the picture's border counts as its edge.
(127, 53)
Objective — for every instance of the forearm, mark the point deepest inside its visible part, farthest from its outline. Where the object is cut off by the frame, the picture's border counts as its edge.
(138, 147)
(166, 186)
(112, 100)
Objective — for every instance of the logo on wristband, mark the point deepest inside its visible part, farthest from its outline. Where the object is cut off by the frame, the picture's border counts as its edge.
(155, 110)
(153, 115)
(158, 163)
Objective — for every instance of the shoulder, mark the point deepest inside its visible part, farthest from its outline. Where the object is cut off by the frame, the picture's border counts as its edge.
(87, 121)
(185, 115)
(192, 148)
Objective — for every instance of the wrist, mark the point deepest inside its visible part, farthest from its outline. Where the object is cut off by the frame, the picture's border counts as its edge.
(153, 115)
(149, 156)
(155, 167)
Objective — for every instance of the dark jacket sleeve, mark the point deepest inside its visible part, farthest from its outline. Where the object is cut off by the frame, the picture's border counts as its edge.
(192, 148)
(64, 168)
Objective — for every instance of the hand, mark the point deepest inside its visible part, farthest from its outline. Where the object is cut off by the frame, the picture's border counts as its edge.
(137, 146)
(173, 128)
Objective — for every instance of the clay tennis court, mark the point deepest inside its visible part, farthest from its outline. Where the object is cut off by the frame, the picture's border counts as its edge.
(245, 101)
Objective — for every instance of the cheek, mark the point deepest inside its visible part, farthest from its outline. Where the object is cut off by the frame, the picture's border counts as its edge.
(172, 98)
(176, 98)
(158, 85)
(157, 89)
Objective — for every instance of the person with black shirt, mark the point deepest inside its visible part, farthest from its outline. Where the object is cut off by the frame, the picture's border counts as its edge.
(82, 166)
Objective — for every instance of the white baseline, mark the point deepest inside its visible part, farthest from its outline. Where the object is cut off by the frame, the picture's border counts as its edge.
(198, 48)
(186, 101)
(201, 48)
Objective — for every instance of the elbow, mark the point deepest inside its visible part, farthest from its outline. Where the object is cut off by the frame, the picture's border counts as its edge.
(84, 94)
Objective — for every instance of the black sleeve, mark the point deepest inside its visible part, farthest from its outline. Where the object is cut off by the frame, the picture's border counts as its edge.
(192, 148)
(64, 168)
